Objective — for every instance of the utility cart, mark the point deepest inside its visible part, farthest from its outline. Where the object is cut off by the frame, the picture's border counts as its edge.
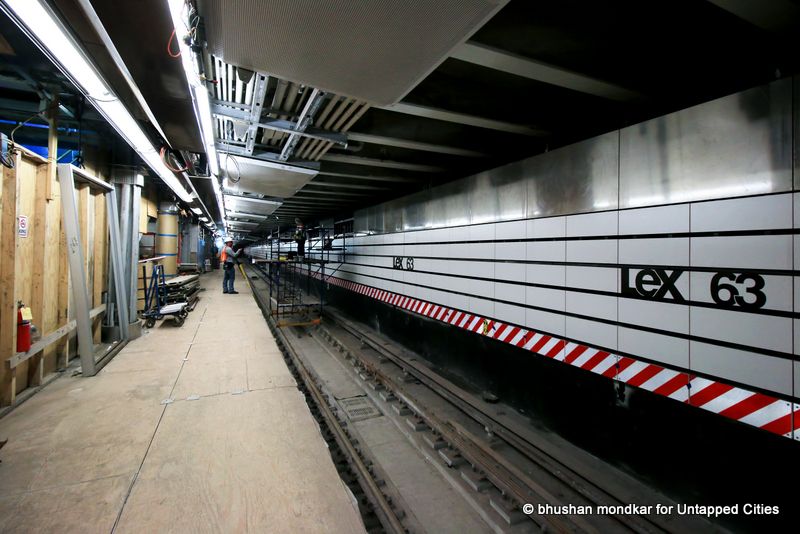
(156, 306)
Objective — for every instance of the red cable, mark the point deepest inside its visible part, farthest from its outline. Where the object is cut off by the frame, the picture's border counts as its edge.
(169, 46)
(162, 153)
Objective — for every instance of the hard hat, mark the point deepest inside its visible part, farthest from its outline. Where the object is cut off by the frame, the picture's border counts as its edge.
(229, 239)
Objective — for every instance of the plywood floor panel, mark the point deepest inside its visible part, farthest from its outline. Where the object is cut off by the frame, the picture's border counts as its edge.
(252, 461)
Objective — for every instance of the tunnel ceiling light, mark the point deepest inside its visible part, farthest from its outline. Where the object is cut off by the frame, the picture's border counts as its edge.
(197, 211)
(46, 31)
(199, 91)
(204, 219)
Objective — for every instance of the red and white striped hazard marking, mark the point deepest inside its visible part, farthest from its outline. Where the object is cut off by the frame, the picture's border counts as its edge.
(763, 411)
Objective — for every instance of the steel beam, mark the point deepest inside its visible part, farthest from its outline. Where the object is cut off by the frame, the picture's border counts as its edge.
(305, 191)
(339, 185)
(395, 179)
(357, 160)
(463, 118)
(80, 290)
(309, 110)
(259, 92)
(493, 58)
(281, 125)
(413, 145)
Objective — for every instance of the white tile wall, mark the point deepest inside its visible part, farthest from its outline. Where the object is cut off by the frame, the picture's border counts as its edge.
(665, 349)
(546, 251)
(768, 372)
(465, 250)
(592, 251)
(438, 297)
(653, 314)
(484, 269)
(762, 331)
(509, 271)
(663, 219)
(459, 302)
(511, 230)
(543, 321)
(754, 213)
(457, 233)
(481, 232)
(509, 313)
(549, 227)
(667, 251)
(753, 252)
(604, 223)
(796, 330)
(510, 292)
(600, 278)
(547, 274)
(756, 252)
(592, 332)
(477, 287)
(600, 306)
(484, 308)
(510, 251)
(553, 299)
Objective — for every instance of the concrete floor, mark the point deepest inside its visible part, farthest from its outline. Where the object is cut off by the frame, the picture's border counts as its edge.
(106, 454)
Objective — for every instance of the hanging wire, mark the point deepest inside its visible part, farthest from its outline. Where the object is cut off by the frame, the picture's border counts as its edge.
(169, 45)
(8, 159)
(238, 169)
(163, 154)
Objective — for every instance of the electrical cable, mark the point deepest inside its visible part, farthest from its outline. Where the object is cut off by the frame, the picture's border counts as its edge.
(7, 159)
(20, 125)
(169, 45)
(238, 169)
(163, 154)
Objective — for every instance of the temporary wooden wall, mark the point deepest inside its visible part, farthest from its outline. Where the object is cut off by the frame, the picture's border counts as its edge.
(34, 269)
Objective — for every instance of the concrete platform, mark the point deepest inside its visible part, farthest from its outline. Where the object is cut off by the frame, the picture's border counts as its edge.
(104, 454)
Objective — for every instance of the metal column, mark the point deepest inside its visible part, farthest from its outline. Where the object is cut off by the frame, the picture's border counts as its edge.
(136, 202)
(80, 291)
(116, 261)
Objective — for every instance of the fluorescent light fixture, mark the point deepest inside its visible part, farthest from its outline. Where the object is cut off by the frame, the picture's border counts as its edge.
(197, 211)
(237, 199)
(247, 214)
(180, 21)
(204, 219)
(44, 29)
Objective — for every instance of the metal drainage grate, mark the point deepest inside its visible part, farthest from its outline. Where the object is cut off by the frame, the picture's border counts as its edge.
(359, 408)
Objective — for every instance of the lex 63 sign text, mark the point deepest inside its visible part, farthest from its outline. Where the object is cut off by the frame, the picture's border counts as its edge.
(728, 288)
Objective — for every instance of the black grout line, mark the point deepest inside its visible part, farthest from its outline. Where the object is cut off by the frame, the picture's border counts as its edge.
(155, 431)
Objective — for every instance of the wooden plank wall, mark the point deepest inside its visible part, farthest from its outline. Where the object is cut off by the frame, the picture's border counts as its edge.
(34, 269)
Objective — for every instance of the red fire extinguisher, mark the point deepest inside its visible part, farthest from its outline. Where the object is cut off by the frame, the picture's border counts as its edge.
(23, 328)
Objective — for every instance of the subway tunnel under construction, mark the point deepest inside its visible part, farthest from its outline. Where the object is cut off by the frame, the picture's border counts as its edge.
(302, 266)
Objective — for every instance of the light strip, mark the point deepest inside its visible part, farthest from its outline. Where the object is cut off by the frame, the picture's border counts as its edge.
(196, 85)
(44, 29)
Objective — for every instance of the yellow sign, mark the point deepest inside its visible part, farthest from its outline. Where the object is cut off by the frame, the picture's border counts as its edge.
(26, 314)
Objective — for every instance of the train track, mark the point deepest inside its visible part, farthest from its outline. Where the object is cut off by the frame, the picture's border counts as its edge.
(359, 476)
(499, 456)
(503, 450)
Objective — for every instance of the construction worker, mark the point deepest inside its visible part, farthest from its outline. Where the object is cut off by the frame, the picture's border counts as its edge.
(226, 258)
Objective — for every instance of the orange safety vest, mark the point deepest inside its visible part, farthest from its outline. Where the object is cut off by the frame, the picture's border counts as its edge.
(223, 255)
